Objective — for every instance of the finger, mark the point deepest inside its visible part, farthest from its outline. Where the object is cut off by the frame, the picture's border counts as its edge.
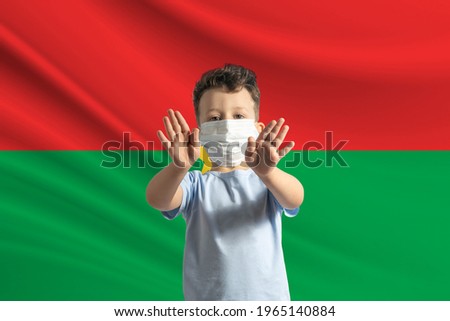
(286, 149)
(263, 134)
(169, 129)
(174, 121)
(194, 144)
(280, 138)
(166, 142)
(176, 141)
(274, 132)
(251, 146)
(177, 150)
(180, 140)
(192, 154)
(270, 155)
(194, 138)
(184, 125)
(250, 155)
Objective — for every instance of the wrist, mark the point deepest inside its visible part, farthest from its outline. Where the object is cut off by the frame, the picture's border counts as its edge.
(178, 169)
(268, 175)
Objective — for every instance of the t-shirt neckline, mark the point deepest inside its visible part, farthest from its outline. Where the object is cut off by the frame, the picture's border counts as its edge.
(236, 172)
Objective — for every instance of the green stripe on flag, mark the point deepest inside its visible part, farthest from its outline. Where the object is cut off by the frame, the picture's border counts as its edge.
(73, 230)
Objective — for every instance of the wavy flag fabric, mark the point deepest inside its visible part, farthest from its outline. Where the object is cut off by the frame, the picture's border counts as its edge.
(83, 89)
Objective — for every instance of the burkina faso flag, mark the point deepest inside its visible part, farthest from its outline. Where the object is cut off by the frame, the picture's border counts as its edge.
(83, 89)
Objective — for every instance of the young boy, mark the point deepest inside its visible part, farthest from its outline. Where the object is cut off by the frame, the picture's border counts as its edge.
(233, 212)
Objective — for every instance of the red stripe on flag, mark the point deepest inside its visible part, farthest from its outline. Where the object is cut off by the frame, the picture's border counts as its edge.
(76, 74)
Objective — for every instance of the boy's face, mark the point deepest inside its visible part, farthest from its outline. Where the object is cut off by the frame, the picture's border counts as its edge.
(219, 104)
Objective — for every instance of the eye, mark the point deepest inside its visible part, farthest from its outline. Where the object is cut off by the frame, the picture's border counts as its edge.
(214, 118)
(239, 116)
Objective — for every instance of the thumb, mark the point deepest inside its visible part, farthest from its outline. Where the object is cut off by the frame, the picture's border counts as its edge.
(250, 150)
(194, 137)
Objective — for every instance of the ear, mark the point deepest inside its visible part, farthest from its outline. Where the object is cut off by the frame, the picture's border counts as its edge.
(260, 126)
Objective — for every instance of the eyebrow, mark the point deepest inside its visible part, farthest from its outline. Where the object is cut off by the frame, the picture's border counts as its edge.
(239, 107)
(235, 107)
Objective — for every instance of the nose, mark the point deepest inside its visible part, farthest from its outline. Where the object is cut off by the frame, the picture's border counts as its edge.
(227, 116)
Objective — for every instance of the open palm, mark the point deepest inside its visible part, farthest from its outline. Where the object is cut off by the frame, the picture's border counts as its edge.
(182, 144)
(264, 153)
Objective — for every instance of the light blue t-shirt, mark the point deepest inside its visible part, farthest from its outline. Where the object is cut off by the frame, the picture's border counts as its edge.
(233, 238)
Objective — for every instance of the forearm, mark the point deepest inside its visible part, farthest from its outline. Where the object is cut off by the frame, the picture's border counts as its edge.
(164, 191)
(286, 188)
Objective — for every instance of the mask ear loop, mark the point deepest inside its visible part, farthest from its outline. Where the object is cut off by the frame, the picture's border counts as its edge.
(207, 164)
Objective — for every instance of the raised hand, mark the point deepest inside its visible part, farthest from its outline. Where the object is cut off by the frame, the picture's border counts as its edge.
(182, 144)
(263, 154)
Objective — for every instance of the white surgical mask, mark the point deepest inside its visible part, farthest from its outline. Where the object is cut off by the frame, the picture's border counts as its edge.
(226, 140)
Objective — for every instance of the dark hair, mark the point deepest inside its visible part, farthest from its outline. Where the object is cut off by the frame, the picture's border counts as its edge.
(233, 78)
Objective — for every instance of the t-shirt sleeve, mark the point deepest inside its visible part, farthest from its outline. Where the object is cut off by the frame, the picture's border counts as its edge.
(189, 186)
(290, 212)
